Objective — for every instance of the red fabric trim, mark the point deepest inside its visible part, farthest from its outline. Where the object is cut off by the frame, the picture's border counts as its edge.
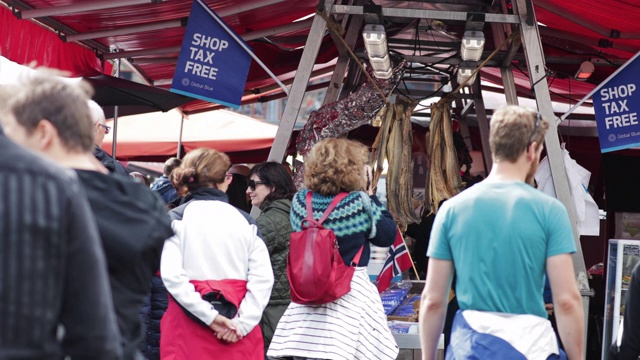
(183, 338)
(24, 42)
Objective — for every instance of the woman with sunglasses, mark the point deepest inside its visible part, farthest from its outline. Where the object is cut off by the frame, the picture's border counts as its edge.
(216, 269)
(271, 188)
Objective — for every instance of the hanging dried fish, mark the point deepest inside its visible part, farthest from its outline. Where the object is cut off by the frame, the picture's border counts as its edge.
(443, 180)
(379, 147)
(339, 117)
(400, 173)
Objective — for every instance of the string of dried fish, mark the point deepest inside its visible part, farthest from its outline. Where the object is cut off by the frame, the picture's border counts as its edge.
(400, 172)
(443, 180)
(379, 147)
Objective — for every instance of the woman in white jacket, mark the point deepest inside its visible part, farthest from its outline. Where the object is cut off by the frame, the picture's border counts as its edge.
(216, 269)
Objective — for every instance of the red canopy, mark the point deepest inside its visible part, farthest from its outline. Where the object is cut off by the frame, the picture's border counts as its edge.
(25, 42)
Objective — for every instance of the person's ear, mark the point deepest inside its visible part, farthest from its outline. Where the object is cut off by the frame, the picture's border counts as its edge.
(45, 134)
(532, 150)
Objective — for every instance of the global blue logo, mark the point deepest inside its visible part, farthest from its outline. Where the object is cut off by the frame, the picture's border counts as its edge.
(186, 81)
(612, 137)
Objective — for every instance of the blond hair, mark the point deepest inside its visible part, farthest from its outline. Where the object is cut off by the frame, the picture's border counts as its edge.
(201, 168)
(64, 105)
(512, 131)
(335, 165)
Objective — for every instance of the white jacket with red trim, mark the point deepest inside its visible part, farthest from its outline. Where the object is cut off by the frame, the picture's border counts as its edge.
(214, 241)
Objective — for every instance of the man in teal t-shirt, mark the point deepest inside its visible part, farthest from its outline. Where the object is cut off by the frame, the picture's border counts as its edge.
(501, 236)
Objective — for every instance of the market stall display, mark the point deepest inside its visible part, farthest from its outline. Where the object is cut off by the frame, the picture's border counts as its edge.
(623, 257)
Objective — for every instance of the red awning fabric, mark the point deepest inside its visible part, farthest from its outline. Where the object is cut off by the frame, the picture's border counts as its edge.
(589, 29)
(595, 19)
(25, 42)
(561, 89)
(155, 135)
(281, 53)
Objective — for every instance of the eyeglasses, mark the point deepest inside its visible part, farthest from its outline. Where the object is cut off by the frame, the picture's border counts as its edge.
(252, 184)
(535, 128)
(106, 128)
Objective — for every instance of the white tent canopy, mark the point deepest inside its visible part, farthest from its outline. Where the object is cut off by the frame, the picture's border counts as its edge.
(158, 134)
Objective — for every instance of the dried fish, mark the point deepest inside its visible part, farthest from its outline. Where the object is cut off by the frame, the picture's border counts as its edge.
(400, 172)
(443, 180)
(379, 147)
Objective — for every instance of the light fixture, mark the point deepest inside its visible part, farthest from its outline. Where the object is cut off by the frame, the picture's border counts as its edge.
(375, 41)
(584, 72)
(464, 73)
(472, 45)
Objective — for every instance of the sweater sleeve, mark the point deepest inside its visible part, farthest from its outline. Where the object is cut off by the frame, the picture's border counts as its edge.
(175, 279)
(259, 284)
(385, 226)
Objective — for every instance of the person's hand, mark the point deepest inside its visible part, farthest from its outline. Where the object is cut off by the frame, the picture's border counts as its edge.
(549, 308)
(368, 180)
(225, 329)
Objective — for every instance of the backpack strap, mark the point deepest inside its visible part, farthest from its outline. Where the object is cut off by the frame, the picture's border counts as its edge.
(336, 200)
(329, 209)
(356, 259)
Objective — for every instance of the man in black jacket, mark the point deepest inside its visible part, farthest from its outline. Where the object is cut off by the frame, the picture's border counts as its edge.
(54, 120)
(630, 344)
(52, 268)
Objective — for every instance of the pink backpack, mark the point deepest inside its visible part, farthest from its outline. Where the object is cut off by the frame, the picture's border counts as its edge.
(317, 274)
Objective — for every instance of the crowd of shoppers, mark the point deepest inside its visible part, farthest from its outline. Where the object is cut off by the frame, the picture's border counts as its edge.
(132, 222)
(54, 273)
(86, 249)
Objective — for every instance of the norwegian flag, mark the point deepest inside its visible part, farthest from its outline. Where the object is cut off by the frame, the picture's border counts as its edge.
(398, 260)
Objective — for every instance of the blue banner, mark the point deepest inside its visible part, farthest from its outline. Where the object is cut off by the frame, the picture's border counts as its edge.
(617, 104)
(212, 66)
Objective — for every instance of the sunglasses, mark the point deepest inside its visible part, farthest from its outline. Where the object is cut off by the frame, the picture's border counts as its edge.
(252, 184)
(535, 129)
(106, 128)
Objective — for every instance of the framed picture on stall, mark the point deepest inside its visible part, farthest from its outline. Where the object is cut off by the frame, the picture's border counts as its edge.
(627, 225)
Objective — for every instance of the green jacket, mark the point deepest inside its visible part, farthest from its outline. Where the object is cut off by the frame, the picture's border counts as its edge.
(276, 229)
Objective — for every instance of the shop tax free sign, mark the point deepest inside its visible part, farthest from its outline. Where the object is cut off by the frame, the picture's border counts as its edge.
(212, 65)
(617, 109)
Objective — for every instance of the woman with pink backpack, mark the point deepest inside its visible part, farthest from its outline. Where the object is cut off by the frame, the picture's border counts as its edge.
(352, 326)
